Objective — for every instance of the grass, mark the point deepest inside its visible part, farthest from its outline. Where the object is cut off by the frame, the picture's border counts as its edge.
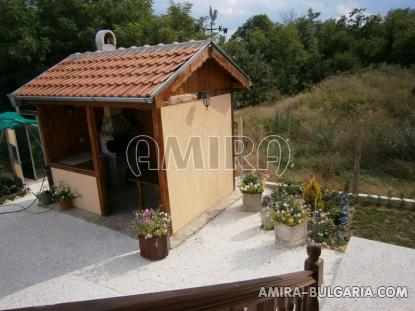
(321, 125)
(384, 225)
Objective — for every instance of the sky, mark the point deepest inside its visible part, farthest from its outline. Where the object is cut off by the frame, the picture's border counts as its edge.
(233, 13)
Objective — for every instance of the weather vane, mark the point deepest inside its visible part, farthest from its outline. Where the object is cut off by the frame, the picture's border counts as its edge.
(213, 15)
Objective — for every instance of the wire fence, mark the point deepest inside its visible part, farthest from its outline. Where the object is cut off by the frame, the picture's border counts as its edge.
(362, 158)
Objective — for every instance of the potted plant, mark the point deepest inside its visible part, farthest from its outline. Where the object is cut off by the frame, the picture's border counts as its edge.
(152, 228)
(252, 189)
(290, 222)
(63, 195)
(45, 197)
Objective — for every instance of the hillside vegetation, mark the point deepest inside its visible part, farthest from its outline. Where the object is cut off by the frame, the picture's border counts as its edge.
(286, 58)
(322, 126)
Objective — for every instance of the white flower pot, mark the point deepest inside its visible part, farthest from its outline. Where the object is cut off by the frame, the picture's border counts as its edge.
(291, 236)
(251, 202)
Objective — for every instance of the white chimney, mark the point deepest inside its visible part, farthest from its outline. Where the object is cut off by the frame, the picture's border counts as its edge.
(105, 40)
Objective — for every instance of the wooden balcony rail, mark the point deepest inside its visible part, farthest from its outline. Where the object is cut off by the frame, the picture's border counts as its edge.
(237, 296)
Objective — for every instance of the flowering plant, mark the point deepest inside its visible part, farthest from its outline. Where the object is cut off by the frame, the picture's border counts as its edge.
(63, 193)
(252, 184)
(321, 226)
(289, 211)
(151, 223)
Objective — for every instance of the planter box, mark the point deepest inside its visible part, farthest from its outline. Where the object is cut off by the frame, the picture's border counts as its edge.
(291, 236)
(251, 202)
(154, 249)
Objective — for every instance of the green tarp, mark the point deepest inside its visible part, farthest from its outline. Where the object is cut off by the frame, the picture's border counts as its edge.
(12, 119)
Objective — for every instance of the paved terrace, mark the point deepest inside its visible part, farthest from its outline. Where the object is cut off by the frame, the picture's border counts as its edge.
(375, 264)
(54, 257)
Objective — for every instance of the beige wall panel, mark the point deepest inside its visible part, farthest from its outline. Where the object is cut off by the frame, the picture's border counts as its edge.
(192, 191)
(84, 185)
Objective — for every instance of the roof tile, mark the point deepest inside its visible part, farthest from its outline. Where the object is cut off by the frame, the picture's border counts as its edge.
(134, 72)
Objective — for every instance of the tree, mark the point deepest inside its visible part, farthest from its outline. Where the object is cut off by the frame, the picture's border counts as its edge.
(177, 24)
(280, 58)
(287, 56)
(36, 34)
(400, 34)
(24, 49)
(260, 23)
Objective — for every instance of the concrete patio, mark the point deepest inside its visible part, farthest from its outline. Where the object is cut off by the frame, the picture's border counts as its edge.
(54, 257)
(374, 264)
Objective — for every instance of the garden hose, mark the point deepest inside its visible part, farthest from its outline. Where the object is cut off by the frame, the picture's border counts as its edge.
(23, 208)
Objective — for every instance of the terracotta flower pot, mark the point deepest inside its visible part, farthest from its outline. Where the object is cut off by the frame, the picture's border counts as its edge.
(64, 205)
(154, 249)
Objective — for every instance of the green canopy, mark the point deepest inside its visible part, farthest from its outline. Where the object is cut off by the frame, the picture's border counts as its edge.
(12, 119)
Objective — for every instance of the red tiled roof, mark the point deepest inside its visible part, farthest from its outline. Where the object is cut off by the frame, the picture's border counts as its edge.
(133, 72)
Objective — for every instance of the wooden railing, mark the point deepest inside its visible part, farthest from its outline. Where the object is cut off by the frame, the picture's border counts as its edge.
(237, 296)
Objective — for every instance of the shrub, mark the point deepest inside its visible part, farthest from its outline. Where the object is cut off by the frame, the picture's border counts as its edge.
(332, 224)
(251, 183)
(313, 195)
(295, 188)
(8, 186)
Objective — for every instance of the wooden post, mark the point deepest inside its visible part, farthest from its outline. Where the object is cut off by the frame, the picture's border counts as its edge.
(96, 158)
(233, 137)
(357, 157)
(162, 174)
(30, 152)
(281, 304)
(40, 117)
(315, 264)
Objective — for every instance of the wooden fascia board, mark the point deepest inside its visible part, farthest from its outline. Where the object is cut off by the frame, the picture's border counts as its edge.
(209, 52)
(187, 72)
(140, 106)
(229, 67)
(190, 97)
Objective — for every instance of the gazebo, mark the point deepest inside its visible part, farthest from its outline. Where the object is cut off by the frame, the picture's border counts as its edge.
(92, 105)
